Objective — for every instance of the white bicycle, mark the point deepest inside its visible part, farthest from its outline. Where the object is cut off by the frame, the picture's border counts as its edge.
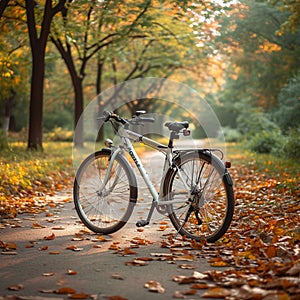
(196, 190)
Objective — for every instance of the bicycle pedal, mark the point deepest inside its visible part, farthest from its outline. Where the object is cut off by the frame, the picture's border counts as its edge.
(142, 223)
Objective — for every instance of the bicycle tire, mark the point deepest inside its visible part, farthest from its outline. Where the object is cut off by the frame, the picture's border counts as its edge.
(211, 205)
(108, 209)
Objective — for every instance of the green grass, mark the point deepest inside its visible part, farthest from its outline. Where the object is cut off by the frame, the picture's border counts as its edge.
(287, 171)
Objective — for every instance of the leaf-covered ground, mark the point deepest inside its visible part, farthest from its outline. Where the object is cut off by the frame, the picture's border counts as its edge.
(258, 258)
(27, 178)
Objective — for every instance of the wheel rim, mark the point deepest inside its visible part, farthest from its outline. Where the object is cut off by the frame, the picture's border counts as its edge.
(208, 202)
(103, 207)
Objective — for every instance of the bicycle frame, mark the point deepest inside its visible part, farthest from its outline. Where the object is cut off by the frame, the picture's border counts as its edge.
(127, 136)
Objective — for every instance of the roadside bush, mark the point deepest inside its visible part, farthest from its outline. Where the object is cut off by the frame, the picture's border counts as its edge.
(266, 142)
(231, 134)
(292, 147)
(255, 122)
(287, 113)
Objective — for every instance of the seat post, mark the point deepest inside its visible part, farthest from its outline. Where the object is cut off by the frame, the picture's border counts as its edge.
(173, 135)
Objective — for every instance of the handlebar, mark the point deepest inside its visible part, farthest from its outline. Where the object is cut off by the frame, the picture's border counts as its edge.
(107, 115)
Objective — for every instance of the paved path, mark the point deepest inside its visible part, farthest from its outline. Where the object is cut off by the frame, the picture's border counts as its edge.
(54, 251)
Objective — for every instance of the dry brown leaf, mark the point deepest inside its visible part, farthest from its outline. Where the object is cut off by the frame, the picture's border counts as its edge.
(16, 287)
(79, 296)
(162, 228)
(36, 225)
(185, 266)
(190, 292)
(136, 262)
(271, 251)
(128, 251)
(117, 276)
(48, 274)
(8, 246)
(74, 248)
(50, 237)
(58, 228)
(154, 286)
(115, 298)
(216, 292)
(71, 272)
(9, 253)
(54, 252)
(65, 291)
(199, 286)
(186, 257)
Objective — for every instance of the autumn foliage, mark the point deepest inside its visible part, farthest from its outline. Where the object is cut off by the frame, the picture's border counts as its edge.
(28, 178)
(258, 258)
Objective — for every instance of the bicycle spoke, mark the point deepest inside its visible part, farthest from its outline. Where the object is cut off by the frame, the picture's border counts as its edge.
(102, 201)
(206, 212)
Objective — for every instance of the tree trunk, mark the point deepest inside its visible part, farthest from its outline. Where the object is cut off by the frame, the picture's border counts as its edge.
(79, 138)
(38, 37)
(36, 99)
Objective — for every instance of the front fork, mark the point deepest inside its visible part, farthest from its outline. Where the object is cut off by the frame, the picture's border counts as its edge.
(114, 153)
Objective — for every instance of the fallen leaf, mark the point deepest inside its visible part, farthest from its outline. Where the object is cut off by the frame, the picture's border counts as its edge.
(216, 292)
(48, 274)
(128, 251)
(154, 286)
(136, 262)
(199, 286)
(58, 228)
(9, 253)
(117, 276)
(190, 292)
(54, 252)
(185, 266)
(79, 296)
(71, 272)
(16, 287)
(65, 291)
(43, 248)
(162, 228)
(271, 251)
(74, 248)
(36, 225)
(186, 257)
(49, 237)
(115, 298)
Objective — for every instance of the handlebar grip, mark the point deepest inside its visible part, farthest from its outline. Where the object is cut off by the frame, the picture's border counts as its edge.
(106, 115)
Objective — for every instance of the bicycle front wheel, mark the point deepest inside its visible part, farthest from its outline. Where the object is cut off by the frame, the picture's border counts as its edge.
(203, 196)
(103, 202)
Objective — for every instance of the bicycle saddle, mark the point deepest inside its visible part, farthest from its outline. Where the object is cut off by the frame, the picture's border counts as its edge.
(177, 126)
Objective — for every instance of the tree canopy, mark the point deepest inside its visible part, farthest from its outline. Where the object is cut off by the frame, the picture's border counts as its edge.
(240, 56)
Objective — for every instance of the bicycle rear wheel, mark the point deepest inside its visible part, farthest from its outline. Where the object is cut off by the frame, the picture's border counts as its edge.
(104, 207)
(205, 190)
